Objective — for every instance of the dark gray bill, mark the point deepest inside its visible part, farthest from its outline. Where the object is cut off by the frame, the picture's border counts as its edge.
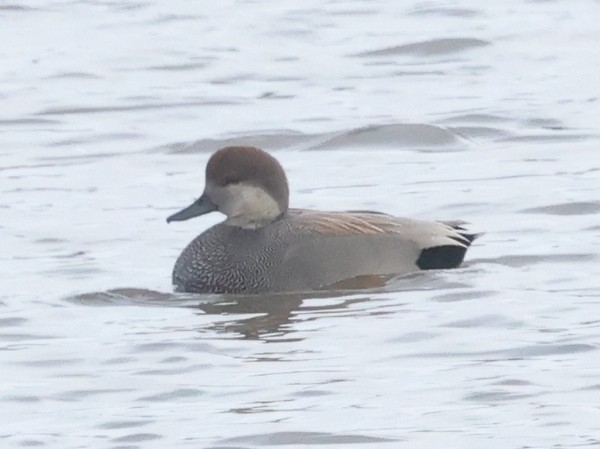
(200, 207)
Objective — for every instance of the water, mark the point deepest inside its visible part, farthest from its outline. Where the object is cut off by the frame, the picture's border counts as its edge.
(439, 110)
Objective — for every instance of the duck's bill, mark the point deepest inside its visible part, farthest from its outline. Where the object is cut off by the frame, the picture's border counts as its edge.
(200, 207)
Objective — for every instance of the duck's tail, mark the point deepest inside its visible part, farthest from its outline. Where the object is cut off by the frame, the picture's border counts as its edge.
(448, 256)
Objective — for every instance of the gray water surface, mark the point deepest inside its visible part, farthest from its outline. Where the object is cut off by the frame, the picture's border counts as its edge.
(483, 112)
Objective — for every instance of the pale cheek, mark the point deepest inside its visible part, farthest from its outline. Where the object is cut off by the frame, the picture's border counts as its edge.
(236, 201)
(252, 202)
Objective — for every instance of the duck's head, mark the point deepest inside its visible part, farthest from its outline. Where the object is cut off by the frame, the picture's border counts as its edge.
(246, 184)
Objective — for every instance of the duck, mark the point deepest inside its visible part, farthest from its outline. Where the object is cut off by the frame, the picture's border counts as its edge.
(264, 246)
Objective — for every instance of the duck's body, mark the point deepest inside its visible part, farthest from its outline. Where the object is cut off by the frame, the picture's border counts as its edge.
(265, 247)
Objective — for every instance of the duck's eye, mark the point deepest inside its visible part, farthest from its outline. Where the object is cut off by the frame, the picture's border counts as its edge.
(231, 180)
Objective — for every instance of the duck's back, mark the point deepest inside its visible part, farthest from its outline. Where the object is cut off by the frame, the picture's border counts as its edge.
(307, 250)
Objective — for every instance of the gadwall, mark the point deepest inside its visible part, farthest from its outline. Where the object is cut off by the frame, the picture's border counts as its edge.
(264, 246)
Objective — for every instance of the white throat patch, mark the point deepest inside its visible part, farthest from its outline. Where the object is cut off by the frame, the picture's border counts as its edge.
(249, 206)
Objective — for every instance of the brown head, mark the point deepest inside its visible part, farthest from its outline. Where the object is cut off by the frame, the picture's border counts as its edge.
(246, 184)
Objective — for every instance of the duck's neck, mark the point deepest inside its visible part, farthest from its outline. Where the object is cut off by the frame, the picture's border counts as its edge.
(246, 222)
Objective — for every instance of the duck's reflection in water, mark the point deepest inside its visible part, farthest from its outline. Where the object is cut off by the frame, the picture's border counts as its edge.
(270, 317)
(251, 316)
(273, 313)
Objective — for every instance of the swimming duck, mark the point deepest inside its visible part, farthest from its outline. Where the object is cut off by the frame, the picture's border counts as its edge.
(263, 246)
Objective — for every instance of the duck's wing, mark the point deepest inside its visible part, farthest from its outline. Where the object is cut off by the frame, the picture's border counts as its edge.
(424, 233)
(435, 244)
